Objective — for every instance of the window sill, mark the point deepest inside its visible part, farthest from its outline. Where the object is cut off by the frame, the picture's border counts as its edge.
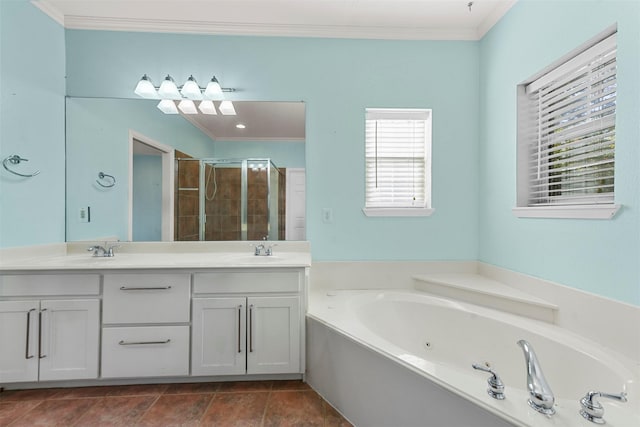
(568, 212)
(398, 211)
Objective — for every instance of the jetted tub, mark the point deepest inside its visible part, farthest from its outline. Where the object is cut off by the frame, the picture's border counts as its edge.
(438, 340)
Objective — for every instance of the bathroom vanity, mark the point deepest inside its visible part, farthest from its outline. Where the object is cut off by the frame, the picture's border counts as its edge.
(161, 312)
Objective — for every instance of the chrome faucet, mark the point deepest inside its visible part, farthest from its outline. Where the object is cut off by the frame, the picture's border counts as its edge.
(496, 386)
(262, 249)
(101, 251)
(593, 410)
(540, 395)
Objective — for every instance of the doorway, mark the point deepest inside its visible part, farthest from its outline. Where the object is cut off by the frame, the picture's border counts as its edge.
(151, 181)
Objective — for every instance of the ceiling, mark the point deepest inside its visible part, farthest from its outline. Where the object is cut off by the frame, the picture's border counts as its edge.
(369, 19)
(264, 121)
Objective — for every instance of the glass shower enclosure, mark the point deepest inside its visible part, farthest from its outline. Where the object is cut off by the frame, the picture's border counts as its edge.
(229, 199)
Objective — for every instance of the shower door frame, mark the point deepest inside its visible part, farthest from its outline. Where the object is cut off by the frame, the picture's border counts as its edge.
(244, 184)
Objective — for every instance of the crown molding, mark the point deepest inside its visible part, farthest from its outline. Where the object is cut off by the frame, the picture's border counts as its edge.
(79, 22)
(493, 18)
(49, 10)
(274, 30)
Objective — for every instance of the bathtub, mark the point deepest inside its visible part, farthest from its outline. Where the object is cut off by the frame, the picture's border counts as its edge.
(402, 358)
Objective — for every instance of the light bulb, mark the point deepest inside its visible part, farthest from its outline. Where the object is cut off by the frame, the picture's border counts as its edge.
(187, 106)
(145, 88)
(207, 107)
(167, 106)
(213, 90)
(168, 89)
(226, 108)
(191, 90)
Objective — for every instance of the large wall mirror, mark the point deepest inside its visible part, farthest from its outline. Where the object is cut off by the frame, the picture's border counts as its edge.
(135, 173)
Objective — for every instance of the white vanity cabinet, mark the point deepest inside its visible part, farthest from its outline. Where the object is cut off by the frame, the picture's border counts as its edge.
(145, 323)
(247, 322)
(49, 327)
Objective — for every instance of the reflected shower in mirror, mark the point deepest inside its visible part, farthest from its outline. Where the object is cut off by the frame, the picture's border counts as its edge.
(229, 199)
(144, 148)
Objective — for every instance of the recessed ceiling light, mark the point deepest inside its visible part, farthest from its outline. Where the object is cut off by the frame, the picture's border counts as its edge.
(240, 126)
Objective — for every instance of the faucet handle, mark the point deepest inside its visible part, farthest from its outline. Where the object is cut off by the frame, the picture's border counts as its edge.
(496, 386)
(96, 249)
(593, 410)
(110, 252)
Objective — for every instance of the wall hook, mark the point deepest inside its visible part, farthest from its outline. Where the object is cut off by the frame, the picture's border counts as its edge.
(108, 183)
(16, 160)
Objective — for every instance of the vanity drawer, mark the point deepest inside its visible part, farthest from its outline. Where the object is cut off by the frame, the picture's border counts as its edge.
(145, 351)
(146, 298)
(248, 281)
(49, 284)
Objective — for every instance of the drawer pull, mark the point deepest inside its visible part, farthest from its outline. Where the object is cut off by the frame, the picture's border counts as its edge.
(154, 288)
(251, 328)
(40, 355)
(123, 342)
(26, 353)
(239, 326)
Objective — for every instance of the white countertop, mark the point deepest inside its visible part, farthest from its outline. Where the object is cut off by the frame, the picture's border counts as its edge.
(161, 255)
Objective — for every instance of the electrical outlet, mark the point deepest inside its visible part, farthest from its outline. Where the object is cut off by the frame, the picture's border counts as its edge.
(327, 215)
(84, 214)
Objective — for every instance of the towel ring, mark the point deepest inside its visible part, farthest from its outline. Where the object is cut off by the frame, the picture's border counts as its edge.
(15, 160)
(102, 176)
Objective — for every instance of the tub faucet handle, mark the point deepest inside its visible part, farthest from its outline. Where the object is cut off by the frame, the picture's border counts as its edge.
(496, 386)
(593, 410)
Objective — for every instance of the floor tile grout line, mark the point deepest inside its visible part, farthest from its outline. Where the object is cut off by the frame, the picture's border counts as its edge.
(24, 414)
(137, 420)
(266, 407)
(204, 413)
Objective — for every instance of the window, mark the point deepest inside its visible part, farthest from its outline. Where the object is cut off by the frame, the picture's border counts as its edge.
(398, 162)
(566, 137)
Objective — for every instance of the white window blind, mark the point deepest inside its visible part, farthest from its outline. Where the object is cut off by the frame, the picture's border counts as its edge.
(570, 132)
(397, 146)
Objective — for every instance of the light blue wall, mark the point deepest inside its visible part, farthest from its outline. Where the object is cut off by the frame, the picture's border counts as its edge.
(469, 85)
(599, 256)
(284, 154)
(337, 79)
(32, 88)
(147, 198)
(98, 141)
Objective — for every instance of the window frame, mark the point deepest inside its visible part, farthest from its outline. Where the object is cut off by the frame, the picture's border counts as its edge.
(405, 211)
(523, 208)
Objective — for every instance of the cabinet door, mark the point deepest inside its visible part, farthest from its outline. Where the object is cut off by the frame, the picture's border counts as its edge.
(273, 335)
(218, 336)
(69, 339)
(18, 341)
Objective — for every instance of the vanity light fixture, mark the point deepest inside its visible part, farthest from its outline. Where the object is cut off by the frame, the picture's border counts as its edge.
(226, 108)
(207, 107)
(146, 89)
(241, 126)
(187, 106)
(167, 106)
(213, 90)
(190, 89)
(168, 89)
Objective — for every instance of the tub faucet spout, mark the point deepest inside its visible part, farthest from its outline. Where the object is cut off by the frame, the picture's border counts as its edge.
(540, 395)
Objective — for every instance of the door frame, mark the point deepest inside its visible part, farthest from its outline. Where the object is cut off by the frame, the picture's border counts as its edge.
(168, 183)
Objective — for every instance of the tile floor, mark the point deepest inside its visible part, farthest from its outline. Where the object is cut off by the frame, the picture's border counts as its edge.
(251, 403)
